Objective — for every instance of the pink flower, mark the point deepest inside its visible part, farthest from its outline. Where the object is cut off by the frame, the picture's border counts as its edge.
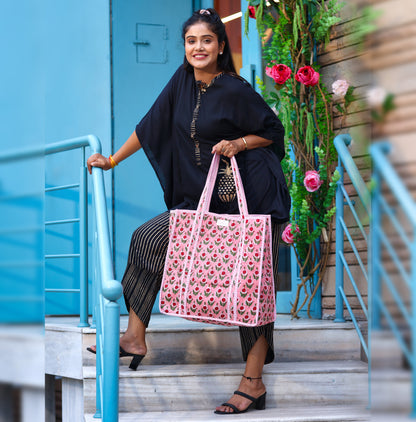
(376, 96)
(287, 236)
(307, 76)
(312, 181)
(340, 87)
(252, 12)
(279, 72)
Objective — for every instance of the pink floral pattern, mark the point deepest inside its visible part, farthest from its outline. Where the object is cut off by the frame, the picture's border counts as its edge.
(219, 269)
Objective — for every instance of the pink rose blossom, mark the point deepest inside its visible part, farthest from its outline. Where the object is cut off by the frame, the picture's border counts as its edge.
(287, 236)
(312, 181)
(279, 72)
(307, 76)
(340, 87)
(252, 12)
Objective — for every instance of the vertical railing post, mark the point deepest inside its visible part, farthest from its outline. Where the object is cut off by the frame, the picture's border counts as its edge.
(375, 250)
(413, 329)
(83, 244)
(339, 246)
(98, 326)
(110, 357)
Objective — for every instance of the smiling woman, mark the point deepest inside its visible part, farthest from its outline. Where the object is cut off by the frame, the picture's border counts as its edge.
(205, 109)
(201, 51)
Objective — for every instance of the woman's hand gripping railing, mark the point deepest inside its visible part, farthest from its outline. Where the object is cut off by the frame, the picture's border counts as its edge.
(107, 290)
(107, 312)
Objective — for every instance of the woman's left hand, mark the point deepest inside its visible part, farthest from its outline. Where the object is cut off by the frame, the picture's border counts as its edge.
(228, 148)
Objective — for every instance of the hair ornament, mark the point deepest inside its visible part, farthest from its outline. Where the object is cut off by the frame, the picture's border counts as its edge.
(204, 12)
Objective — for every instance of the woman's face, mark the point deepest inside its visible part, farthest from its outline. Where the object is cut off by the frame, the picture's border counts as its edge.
(202, 48)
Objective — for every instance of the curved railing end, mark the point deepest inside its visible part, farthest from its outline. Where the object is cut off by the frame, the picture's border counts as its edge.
(344, 139)
(112, 290)
(382, 146)
(95, 143)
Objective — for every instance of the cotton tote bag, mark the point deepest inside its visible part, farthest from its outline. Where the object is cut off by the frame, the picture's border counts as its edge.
(218, 267)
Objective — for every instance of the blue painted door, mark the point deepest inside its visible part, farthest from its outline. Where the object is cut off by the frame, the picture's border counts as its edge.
(147, 49)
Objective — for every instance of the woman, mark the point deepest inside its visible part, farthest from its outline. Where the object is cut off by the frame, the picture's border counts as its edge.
(205, 109)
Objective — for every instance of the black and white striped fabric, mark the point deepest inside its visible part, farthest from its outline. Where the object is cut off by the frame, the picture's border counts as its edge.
(143, 276)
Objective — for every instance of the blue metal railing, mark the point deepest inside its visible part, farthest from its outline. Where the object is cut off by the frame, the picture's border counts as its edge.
(107, 290)
(82, 222)
(400, 220)
(346, 163)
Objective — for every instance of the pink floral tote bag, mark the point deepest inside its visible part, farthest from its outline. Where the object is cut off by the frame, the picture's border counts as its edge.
(218, 267)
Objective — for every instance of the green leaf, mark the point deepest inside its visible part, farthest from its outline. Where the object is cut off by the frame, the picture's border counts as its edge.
(388, 103)
(339, 108)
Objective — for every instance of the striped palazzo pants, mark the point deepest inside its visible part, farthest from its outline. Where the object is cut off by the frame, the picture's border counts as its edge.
(143, 277)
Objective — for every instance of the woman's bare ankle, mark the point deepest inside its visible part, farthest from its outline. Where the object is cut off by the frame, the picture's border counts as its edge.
(254, 384)
(133, 344)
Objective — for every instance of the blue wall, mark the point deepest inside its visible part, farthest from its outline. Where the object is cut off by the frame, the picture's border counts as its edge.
(55, 84)
(77, 102)
(22, 79)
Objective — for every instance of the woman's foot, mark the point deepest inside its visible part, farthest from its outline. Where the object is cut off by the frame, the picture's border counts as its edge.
(253, 387)
(128, 345)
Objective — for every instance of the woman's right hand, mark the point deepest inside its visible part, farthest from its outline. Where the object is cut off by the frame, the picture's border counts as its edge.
(98, 160)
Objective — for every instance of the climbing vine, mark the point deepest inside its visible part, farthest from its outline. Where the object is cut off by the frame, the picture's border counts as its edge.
(292, 33)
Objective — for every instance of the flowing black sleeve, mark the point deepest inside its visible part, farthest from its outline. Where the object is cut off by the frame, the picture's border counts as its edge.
(155, 134)
(253, 116)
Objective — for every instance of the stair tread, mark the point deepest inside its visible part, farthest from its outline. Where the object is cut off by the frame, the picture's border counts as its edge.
(391, 374)
(312, 367)
(164, 323)
(285, 414)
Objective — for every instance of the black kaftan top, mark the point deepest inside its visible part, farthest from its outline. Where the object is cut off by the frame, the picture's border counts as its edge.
(227, 109)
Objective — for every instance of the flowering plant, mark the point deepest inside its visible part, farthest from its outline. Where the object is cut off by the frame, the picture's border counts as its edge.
(312, 181)
(287, 234)
(380, 102)
(307, 75)
(279, 72)
(340, 88)
(293, 31)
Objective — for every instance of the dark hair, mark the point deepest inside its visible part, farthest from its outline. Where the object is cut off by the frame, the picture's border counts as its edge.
(215, 24)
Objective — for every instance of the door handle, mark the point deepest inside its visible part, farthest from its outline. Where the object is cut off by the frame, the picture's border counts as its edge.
(144, 43)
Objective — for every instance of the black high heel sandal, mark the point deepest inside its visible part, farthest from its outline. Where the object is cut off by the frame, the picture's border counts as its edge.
(136, 358)
(258, 403)
(134, 362)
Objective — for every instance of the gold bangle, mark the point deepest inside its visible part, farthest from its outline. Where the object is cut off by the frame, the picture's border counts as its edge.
(245, 143)
(113, 162)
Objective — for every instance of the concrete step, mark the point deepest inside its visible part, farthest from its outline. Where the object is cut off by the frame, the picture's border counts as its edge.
(154, 388)
(391, 390)
(173, 340)
(386, 351)
(281, 414)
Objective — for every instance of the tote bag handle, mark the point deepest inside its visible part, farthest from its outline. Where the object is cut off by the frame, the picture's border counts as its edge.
(205, 200)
